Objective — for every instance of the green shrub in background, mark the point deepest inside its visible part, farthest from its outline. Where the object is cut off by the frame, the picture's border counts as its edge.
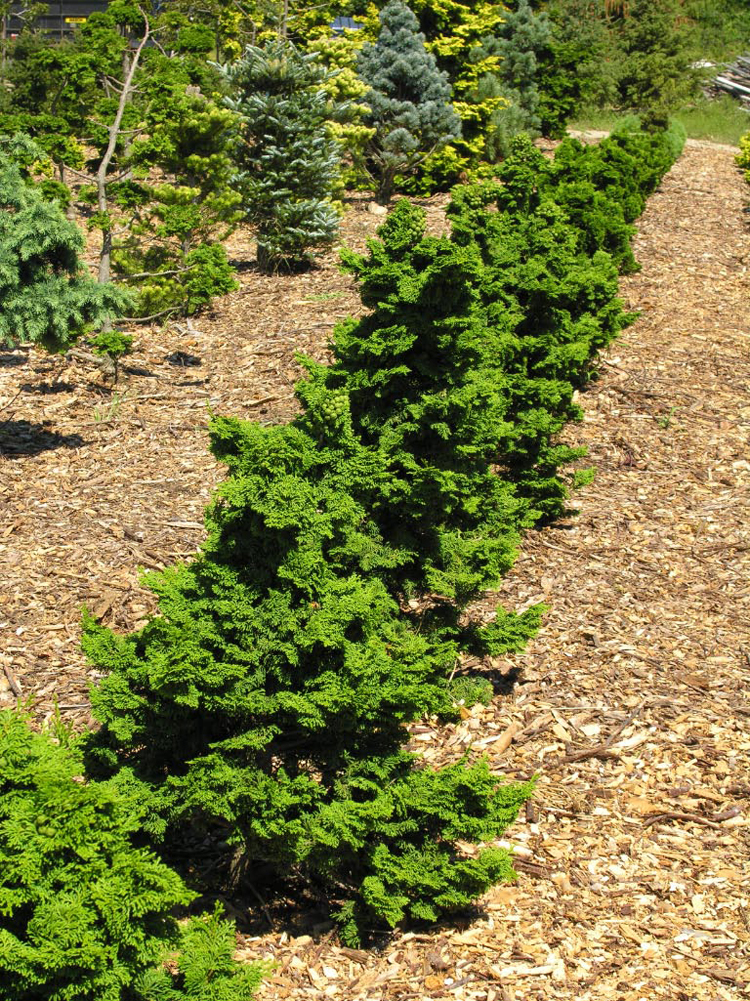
(603, 188)
(288, 163)
(563, 308)
(517, 45)
(85, 915)
(551, 235)
(46, 293)
(743, 157)
(656, 72)
(172, 253)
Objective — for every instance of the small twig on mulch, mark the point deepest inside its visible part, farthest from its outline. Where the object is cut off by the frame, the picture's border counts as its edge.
(14, 686)
(696, 818)
(603, 750)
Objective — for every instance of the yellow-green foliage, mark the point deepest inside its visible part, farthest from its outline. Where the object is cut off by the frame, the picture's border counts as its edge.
(743, 157)
(458, 30)
(346, 92)
(85, 914)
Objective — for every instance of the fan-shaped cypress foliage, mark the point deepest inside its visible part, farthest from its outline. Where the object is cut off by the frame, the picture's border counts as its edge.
(424, 374)
(83, 913)
(602, 189)
(46, 294)
(409, 98)
(288, 163)
(551, 235)
(271, 694)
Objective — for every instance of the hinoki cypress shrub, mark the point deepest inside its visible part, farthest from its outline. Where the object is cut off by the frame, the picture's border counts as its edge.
(551, 236)
(410, 372)
(268, 700)
(85, 915)
(564, 309)
(603, 188)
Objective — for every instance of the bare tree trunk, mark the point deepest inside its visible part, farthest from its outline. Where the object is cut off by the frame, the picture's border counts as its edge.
(3, 44)
(105, 255)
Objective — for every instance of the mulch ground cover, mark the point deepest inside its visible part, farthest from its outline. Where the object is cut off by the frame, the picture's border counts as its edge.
(631, 705)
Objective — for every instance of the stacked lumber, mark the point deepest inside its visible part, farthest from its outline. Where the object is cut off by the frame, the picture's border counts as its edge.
(735, 80)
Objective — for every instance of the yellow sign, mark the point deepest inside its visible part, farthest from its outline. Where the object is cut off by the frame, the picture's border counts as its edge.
(75, 20)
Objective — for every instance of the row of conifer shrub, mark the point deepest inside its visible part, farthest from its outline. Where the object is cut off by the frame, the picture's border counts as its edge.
(267, 704)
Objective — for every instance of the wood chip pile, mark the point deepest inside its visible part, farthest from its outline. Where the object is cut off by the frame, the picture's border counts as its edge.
(631, 705)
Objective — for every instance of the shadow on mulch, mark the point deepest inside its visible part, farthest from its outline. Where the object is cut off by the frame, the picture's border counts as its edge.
(46, 388)
(182, 359)
(263, 901)
(12, 360)
(19, 438)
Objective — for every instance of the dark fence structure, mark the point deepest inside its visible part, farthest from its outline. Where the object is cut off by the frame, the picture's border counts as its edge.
(61, 17)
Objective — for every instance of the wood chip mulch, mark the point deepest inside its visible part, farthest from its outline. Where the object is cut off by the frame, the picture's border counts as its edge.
(631, 705)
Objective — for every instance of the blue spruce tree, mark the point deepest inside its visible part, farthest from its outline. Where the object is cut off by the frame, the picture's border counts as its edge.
(409, 98)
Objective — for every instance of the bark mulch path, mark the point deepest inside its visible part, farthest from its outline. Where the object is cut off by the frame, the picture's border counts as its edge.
(633, 859)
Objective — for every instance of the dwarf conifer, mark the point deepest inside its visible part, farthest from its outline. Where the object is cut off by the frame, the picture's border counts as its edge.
(84, 913)
(516, 45)
(287, 160)
(420, 397)
(269, 698)
(46, 293)
(409, 98)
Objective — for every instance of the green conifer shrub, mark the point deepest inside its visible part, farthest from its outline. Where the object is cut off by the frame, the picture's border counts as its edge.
(564, 309)
(46, 293)
(173, 241)
(287, 160)
(408, 96)
(268, 699)
(602, 189)
(424, 395)
(516, 44)
(85, 914)
(551, 236)
(657, 73)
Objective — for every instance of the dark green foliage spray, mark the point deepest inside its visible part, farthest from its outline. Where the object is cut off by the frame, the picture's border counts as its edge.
(270, 696)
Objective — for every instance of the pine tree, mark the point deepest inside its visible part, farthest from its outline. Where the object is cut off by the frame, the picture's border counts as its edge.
(409, 98)
(288, 162)
(46, 293)
(657, 73)
(517, 44)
